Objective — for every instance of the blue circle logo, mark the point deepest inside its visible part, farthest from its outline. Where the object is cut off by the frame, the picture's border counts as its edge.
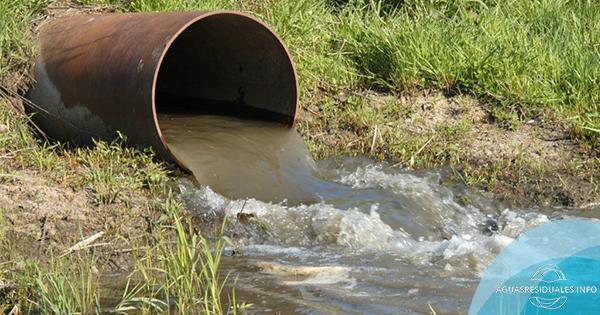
(550, 269)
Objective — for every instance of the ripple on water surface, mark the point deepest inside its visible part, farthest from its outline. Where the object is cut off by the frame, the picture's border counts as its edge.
(341, 236)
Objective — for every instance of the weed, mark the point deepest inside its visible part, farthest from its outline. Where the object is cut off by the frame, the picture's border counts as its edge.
(68, 287)
(111, 170)
(16, 43)
(185, 270)
(519, 56)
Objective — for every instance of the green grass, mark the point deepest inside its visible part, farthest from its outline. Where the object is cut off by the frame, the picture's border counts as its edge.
(111, 170)
(16, 43)
(176, 266)
(521, 57)
(372, 131)
(118, 179)
(120, 182)
(187, 273)
(68, 287)
(108, 170)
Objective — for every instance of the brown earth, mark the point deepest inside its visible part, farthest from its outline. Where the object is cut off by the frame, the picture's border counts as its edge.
(525, 163)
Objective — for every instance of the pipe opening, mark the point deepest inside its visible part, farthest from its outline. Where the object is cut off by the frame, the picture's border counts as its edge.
(227, 64)
(223, 89)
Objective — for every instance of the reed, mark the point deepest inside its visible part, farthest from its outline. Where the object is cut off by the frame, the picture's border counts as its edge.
(68, 286)
(183, 268)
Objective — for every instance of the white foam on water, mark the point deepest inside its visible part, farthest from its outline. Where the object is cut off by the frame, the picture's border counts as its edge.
(306, 225)
(363, 250)
(359, 230)
(515, 222)
(373, 175)
(371, 231)
(435, 202)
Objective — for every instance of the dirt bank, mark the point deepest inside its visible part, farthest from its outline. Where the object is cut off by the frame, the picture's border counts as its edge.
(526, 163)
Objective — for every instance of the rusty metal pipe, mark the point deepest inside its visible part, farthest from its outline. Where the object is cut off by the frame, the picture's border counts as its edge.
(99, 74)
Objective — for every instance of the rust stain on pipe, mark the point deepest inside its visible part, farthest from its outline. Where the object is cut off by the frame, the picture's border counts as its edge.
(99, 74)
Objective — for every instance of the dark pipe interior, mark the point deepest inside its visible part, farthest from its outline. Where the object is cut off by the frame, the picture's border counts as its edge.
(227, 64)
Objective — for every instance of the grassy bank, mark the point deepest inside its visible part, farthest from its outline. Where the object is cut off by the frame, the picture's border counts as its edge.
(503, 92)
(520, 57)
(532, 67)
(170, 270)
(73, 219)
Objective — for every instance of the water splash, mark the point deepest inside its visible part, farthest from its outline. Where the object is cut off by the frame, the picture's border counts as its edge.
(242, 158)
(396, 232)
(346, 235)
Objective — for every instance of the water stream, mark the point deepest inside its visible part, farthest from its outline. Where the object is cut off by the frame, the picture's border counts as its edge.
(242, 158)
(340, 236)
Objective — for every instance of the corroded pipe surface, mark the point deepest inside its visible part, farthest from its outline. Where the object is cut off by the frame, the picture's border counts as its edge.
(99, 74)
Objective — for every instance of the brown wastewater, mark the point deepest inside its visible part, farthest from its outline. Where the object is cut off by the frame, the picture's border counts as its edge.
(340, 236)
(243, 158)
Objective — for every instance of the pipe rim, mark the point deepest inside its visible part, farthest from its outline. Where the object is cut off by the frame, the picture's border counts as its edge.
(176, 36)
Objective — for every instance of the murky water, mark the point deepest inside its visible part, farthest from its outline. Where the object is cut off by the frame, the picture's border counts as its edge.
(369, 239)
(241, 158)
